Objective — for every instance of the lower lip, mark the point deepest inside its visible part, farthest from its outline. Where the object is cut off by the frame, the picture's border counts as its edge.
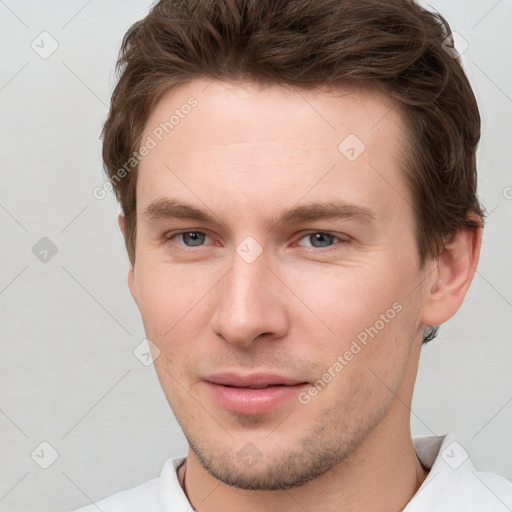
(252, 401)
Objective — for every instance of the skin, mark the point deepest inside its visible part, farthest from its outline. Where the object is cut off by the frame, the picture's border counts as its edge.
(244, 154)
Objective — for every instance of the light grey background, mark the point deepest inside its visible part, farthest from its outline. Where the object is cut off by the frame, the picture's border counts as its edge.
(69, 327)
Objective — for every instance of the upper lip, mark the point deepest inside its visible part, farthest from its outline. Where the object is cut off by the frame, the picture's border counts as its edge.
(259, 380)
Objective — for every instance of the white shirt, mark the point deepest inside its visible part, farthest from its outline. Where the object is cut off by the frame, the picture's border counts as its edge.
(452, 485)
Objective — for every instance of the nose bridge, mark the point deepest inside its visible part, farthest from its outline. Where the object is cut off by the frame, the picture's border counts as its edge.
(248, 303)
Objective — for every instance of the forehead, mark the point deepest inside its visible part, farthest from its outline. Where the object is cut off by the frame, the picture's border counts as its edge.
(252, 113)
(255, 145)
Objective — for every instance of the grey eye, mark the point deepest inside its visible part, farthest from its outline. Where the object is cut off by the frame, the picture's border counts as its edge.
(320, 239)
(193, 238)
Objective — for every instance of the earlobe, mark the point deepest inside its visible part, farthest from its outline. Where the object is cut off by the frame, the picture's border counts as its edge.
(453, 273)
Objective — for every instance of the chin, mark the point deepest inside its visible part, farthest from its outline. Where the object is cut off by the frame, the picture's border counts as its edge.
(249, 468)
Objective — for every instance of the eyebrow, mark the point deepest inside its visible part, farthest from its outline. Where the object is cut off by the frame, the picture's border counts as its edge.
(160, 209)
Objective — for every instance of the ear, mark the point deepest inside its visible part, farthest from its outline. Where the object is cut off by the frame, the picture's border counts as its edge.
(452, 274)
(131, 282)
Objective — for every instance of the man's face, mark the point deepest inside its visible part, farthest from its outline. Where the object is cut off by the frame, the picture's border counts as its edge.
(267, 289)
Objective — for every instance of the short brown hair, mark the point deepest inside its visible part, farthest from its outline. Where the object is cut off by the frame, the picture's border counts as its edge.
(393, 45)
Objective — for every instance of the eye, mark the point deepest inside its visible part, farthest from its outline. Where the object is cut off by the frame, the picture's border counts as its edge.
(320, 239)
(190, 238)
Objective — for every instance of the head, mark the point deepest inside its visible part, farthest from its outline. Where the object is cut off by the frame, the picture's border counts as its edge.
(298, 186)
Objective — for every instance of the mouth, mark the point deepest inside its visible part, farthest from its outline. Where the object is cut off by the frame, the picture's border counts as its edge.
(254, 387)
(252, 394)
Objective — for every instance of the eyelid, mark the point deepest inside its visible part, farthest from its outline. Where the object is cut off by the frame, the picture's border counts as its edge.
(172, 234)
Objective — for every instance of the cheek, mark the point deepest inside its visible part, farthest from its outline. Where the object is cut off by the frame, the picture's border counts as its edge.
(166, 295)
(372, 320)
(174, 306)
(349, 300)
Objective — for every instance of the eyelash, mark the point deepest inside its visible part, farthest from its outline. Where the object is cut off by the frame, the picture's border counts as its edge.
(171, 236)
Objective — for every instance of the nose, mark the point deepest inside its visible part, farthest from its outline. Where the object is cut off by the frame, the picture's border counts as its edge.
(251, 304)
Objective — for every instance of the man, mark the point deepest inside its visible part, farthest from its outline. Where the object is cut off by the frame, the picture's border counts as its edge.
(298, 186)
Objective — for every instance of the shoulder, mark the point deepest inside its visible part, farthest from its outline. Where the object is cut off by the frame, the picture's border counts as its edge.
(146, 497)
(453, 483)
